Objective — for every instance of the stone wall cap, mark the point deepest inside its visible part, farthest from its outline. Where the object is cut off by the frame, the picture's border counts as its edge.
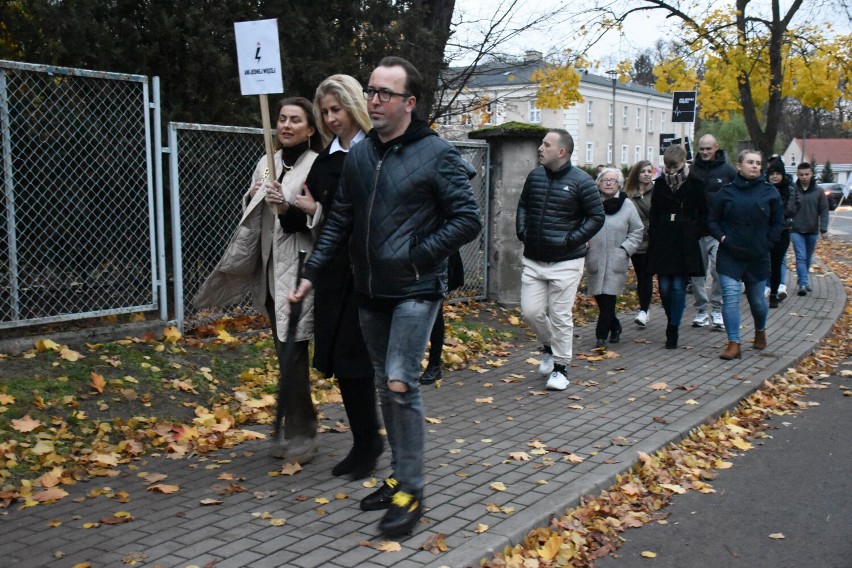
(509, 130)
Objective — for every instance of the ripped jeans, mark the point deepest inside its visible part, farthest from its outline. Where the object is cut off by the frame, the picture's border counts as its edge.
(396, 338)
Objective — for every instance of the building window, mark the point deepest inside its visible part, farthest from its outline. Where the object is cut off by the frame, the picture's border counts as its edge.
(651, 120)
(650, 157)
(623, 154)
(535, 113)
(624, 117)
(662, 121)
(589, 112)
(590, 152)
(609, 153)
(611, 113)
(637, 154)
(638, 118)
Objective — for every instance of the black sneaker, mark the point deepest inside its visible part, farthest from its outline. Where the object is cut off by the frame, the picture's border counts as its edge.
(381, 497)
(803, 291)
(402, 516)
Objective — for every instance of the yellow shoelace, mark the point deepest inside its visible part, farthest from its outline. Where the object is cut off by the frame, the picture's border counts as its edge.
(402, 499)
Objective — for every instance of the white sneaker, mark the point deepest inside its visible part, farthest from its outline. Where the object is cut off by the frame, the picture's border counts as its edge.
(782, 292)
(545, 367)
(557, 381)
(700, 320)
(718, 322)
(641, 318)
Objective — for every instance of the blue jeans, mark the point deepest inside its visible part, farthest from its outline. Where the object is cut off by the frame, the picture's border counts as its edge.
(803, 246)
(673, 295)
(731, 291)
(396, 338)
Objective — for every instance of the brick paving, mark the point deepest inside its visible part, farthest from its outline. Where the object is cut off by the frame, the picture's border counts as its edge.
(467, 450)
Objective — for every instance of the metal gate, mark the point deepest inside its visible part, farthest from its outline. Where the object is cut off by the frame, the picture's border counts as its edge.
(210, 169)
(77, 235)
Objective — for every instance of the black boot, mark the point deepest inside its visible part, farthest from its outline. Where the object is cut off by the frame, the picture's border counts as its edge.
(671, 336)
(615, 332)
(431, 374)
(359, 401)
(405, 510)
(773, 300)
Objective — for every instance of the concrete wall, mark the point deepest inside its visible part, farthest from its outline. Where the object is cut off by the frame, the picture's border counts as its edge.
(512, 158)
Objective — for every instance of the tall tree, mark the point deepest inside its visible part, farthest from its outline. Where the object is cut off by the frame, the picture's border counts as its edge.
(755, 56)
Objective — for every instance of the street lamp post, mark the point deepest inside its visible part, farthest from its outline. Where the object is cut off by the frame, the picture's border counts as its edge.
(614, 75)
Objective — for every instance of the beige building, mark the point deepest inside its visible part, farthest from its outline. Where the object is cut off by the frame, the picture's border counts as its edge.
(636, 115)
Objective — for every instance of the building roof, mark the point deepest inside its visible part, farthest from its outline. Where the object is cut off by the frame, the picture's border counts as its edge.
(506, 73)
(822, 150)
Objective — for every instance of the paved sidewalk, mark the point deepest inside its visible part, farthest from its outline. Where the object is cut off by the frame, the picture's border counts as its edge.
(467, 450)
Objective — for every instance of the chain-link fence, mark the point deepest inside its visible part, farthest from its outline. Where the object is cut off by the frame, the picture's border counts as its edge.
(77, 233)
(210, 170)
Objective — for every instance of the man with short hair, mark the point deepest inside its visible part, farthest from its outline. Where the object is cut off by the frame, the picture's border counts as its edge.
(403, 206)
(711, 167)
(809, 207)
(558, 213)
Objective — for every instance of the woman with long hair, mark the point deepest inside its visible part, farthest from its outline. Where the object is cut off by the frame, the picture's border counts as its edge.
(639, 187)
(339, 349)
(262, 258)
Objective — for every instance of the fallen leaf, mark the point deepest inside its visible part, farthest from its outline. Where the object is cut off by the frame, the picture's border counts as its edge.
(435, 544)
(25, 424)
(777, 536)
(162, 488)
(6, 399)
(171, 334)
(389, 546)
(649, 554)
(52, 494)
(117, 519)
(520, 456)
(433, 420)
(480, 528)
(207, 502)
(69, 355)
(98, 382)
(486, 400)
(741, 444)
(291, 469)
(659, 386)
(498, 486)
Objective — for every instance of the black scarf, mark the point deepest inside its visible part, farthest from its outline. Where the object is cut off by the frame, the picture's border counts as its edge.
(289, 155)
(612, 205)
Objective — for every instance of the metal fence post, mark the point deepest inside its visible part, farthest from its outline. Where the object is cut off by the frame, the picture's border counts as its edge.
(158, 173)
(9, 189)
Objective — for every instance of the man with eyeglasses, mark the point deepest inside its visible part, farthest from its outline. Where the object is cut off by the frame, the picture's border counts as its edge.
(711, 167)
(404, 205)
(558, 213)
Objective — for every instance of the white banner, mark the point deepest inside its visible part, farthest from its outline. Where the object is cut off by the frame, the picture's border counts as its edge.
(259, 57)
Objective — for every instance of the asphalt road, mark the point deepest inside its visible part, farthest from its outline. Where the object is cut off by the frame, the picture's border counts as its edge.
(840, 222)
(798, 483)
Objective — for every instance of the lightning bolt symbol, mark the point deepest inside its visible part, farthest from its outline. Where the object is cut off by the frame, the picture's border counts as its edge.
(257, 53)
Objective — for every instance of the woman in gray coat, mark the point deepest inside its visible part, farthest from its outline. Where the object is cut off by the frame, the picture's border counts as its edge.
(609, 253)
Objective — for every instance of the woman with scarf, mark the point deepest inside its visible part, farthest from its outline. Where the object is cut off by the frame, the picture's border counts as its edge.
(678, 219)
(747, 218)
(639, 187)
(339, 350)
(262, 258)
(609, 253)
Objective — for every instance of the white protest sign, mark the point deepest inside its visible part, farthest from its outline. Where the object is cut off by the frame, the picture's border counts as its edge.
(259, 57)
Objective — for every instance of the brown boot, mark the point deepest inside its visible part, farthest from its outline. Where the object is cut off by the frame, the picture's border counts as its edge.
(732, 351)
(760, 339)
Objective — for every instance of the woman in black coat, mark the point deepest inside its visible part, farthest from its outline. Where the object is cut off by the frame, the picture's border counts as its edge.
(777, 176)
(678, 219)
(339, 348)
(747, 218)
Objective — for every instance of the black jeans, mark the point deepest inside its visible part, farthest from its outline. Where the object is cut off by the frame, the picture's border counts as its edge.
(436, 338)
(644, 280)
(776, 259)
(607, 321)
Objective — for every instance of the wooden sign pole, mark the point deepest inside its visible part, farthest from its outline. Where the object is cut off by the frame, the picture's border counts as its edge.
(267, 135)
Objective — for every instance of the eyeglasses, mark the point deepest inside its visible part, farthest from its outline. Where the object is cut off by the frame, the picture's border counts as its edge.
(609, 180)
(384, 94)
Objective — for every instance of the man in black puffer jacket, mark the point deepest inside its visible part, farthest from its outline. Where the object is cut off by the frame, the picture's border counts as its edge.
(559, 211)
(404, 205)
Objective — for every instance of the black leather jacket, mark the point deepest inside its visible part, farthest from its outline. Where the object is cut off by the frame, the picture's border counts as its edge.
(558, 213)
(404, 206)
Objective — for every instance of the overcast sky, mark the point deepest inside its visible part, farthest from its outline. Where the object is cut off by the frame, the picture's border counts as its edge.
(640, 31)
